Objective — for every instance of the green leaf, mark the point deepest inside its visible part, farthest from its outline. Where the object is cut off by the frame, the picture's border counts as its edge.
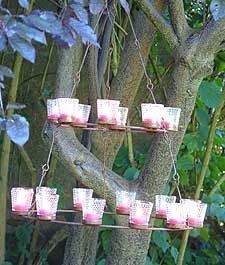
(204, 234)
(101, 262)
(161, 240)
(217, 198)
(106, 237)
(131, 173)
(202, 117)
(191, 141)
(174, 252)
(185, 162)
(210, 94)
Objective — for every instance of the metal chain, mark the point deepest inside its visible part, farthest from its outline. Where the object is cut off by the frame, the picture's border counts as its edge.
(138, 46)
(176, 176)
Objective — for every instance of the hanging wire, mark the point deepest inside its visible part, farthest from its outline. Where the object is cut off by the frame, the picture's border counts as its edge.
(77, 75)
(108, 71)
(104, 165)
(46, 166)
(138, 46)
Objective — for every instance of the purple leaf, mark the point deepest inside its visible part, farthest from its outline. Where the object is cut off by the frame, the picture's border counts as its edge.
(24, 47)
(31, 33)
(5, 71)
(17, 128)
(86, 32)
(24, 3)
(96, 6)
(3, 41)
(80, 12)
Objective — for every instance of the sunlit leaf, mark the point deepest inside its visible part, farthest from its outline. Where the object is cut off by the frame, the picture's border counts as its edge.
(96, 6)
(217, 8)
(17, 129)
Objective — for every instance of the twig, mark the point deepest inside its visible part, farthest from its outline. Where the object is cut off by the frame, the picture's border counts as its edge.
(217, 185)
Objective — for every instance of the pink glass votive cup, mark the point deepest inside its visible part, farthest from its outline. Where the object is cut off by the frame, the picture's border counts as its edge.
(176, 215)
(107, 111)
(124, 200)
(80, 195)
(93, 210)
(140, 213)
(161, 205)
(46, 205)
(67, 106)
(52, 110)
(21, 199)
(80, 118)
(171, 118)
(152, 115)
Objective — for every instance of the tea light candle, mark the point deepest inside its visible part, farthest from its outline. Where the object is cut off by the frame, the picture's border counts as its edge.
(152, 115)
(171, 118)
(67, 106)
(21, 200)
(123, 201)
(46, 206)
(80, 195)
(93, 211)
(196, 212)
(140, 214)
(161, 205)
(107, 111)
(80, 118)
(52, 110)
(121, 117)
(176, 215)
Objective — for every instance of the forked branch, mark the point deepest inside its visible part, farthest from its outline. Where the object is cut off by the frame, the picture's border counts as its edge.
(158, 21)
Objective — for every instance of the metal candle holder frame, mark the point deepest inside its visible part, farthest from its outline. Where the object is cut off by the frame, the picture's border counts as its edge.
(31, 216)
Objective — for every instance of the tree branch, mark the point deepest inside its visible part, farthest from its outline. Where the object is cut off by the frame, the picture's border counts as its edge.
(178, 20)
(158, 21)
(212, 35)
(86, 168)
